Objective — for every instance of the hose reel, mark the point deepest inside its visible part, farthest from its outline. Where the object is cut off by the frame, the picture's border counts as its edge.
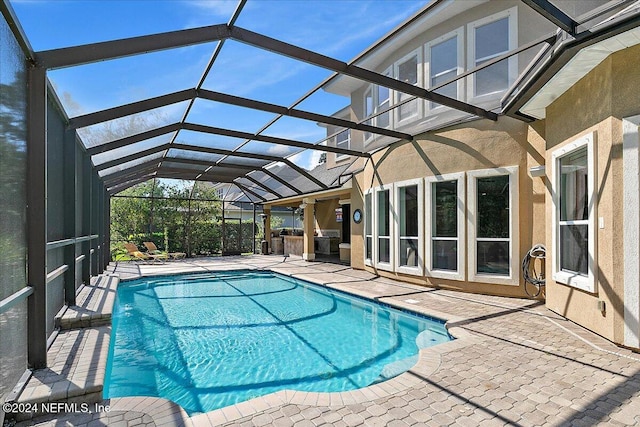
(531, 275)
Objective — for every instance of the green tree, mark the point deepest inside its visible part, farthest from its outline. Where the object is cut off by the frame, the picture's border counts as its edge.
(132, 214)
(204, 227)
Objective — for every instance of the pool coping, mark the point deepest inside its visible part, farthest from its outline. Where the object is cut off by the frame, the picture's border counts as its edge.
(428, 362)
(166, 412)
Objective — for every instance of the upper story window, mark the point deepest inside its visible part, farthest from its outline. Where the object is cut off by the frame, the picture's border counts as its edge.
(489, 38)
(376, 100)
(444, 61)
(574, 214)
(383, 100)
(368, 110)
(343, 140)
(407, 70)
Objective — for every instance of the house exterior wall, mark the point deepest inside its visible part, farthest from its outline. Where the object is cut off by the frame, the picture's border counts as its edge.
(461, 148)
(597, 104)
(528, 25)
(593, 111)
(478, 145)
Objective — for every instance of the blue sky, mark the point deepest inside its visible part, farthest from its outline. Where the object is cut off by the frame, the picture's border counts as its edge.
(336, 28)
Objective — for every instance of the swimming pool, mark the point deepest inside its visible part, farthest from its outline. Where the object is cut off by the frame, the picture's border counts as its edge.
(209, 341)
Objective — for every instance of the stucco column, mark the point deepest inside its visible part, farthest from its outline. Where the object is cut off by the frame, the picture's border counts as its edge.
(267, 227)
(308, 253)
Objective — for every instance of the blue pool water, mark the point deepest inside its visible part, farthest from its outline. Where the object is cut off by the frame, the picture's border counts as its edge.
(208, 341)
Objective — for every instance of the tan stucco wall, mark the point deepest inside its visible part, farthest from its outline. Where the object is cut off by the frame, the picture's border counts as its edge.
(598, 102)
(357, 230)
(480, 144)
(326, 215)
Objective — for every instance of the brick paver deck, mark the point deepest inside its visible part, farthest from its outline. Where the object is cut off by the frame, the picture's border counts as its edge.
(515, 363)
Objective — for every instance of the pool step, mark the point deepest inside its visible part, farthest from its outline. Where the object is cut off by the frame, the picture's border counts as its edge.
(94, 305)
(396, 368)
(431, 336)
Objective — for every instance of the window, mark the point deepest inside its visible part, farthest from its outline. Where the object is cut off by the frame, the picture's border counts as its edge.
(489, 38)
(446, 227)
(574, 227)
(444, 62)
(377, 99)
(382, 104)
(343, 140)
(493, 225)
(383, 230)
(409, 225)
(220, 193)
(368, 228)
(368, 110)
(407, 70)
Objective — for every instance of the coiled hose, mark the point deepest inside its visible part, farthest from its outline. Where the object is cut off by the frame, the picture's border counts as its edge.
(529, 272)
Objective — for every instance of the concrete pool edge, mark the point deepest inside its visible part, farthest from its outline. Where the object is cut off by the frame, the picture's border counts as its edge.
(164, 411)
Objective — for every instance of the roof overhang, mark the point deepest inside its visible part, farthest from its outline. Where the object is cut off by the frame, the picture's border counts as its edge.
(569, 61)
(332, 193)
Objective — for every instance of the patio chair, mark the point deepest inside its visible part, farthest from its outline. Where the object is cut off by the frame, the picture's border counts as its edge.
(137, 255)
(153, 249)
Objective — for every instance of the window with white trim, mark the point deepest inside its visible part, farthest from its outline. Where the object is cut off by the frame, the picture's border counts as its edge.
(445, 226)
(445, 60)
(493, 225)
(382, 103)
(409, 202)
(384, 228)
(368, 228)
(368, 111)
(343, 140)
(407, 70)
(574, 214)
(489, 38)
(377, 99)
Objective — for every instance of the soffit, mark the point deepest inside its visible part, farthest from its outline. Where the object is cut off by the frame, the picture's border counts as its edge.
(578, 67)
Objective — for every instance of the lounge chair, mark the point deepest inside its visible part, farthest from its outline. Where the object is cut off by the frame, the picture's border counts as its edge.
(136, 254)
(153, 250)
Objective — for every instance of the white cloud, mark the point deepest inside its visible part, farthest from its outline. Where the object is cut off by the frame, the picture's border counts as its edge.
(278, 150)
(244, 70)
(308, 159)
(365, 33)
(314, 159)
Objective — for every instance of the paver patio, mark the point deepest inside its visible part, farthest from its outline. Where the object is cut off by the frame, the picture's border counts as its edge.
(516, 363)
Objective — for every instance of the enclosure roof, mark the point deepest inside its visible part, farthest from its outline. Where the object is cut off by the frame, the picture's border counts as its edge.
(248, 96)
